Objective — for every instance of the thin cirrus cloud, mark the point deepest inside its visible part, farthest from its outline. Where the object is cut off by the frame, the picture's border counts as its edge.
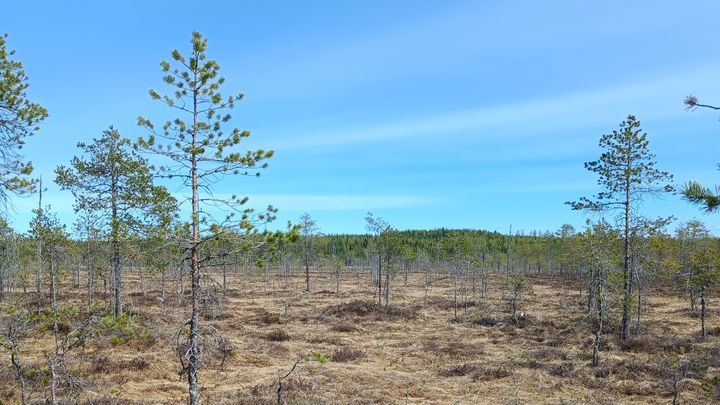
(655, 98)
(337, 202)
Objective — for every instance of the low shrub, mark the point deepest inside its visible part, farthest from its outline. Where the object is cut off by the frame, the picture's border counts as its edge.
(562, 370)
(346, 354)
(372, 309)
(278, 335)
(344, 328)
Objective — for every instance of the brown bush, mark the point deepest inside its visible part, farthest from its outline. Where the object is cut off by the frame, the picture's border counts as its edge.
(562, 370)
(295, 391)
(454, 348)
(138, 364)
(372, 309)
(632, 369)
(490, 373)
(346, 354)
(101, 364)
(110, 401)
(278, 335)
(548, 353)
(456, 371)
(444, 303)
(332, 340)
(477, 372)
(602, 372)
(654, 344)
(344, 328)
(487, 322)
(269, 319)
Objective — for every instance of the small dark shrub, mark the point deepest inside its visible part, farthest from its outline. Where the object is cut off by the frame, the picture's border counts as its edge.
(332, 340)
(454, 348)
(713, 331)
(654, 344)
(344, 328)
(533, 364)
(562, 370)
(270, 319)
(460, 370)
(490, 373)
(372, 309)
(101, 364)
(138, 364)
(487, 322)
(346, 354)
(549, 353)
(602, 372)
(278, 335)
(105, 400)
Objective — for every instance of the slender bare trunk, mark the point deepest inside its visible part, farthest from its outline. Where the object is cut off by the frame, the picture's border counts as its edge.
(53, 380)
(117, 305)
(703, 309)
(15, 359)
(38, 273)
(193, 352)
(627, 271)
(53, 286)
(379, 280)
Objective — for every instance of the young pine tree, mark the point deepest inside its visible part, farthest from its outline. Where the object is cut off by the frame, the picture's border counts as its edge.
(19, 119)
(112, 180)
(627, 174)
(201, 152)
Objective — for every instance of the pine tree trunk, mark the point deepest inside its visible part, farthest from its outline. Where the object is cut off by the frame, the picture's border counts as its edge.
(337, 279)
(379, 280)
(117, 305)
(387, 287)
(193, 352)
(703, 331)
(53, 381)
(598, 332)
(53, 286)
(90, 282)
(627, 273)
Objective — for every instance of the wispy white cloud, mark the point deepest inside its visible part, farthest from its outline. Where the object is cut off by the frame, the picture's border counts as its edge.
(655, 98)
(338, 202)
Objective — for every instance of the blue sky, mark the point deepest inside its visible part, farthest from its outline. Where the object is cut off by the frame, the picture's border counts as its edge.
(457, 114)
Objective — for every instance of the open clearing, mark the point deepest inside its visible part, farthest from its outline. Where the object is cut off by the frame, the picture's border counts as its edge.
(412, 352)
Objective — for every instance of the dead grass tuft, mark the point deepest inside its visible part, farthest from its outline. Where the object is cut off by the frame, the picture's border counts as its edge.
(332, 340)
(563, 370)
(548, 353)
(654, 344)
(344, 328)
(295, 391)
(392, 312)
(278, 335)
(454, 348)
(488, 322)
(477, 372)
(346, 354)
(461, 370)
(490, 373)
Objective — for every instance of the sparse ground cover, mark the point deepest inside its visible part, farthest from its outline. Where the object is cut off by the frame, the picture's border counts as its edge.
(357, 351)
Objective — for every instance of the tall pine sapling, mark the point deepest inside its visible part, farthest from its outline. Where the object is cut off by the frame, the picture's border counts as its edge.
(201, 152)
(19, 119)
(627, 174)
(110, 179)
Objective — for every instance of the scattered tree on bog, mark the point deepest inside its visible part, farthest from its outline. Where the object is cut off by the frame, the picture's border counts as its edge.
(113, 181)
(201, 152)
(19, 119)
(627, 174)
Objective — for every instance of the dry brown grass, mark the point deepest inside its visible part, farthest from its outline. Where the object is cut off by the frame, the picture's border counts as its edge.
(403, 353)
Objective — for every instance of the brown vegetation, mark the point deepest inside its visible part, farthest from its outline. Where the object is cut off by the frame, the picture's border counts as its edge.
(405, 351)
